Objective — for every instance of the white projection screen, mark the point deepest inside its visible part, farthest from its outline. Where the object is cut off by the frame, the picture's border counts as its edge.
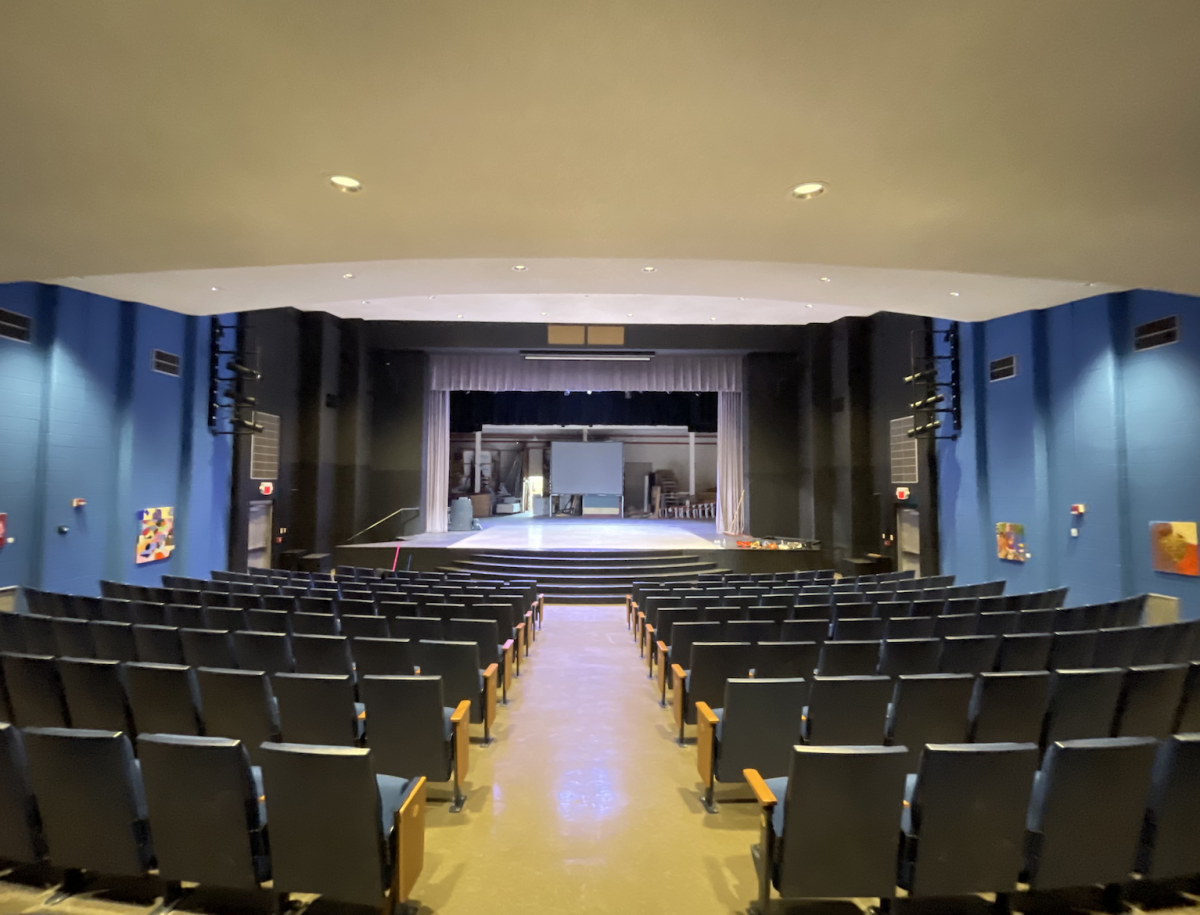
(587, 468)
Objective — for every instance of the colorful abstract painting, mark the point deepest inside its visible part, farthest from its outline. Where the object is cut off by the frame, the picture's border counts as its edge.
(1010, 541)
(156, 537)
(1173, 547)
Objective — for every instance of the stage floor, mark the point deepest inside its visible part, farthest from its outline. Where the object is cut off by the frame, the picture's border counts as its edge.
(522, 532)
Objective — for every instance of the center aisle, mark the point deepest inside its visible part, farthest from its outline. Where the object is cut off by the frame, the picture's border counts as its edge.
(585, 803)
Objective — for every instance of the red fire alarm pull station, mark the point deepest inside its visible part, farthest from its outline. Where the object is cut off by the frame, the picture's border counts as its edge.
(902, 493)
(1078, 508)
(78, 503)
(266, 488)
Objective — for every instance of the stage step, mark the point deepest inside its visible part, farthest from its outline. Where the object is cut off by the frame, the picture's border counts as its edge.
(510, 568)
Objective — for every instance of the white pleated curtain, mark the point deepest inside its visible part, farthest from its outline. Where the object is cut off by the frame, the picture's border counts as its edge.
(730, 485)
(435, 496)
(512, 372)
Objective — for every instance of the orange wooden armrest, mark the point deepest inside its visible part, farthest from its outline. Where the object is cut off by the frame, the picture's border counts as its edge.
(410, 843)
(761, 792)
(662, 647)
(704, 713)
(461, 712)
(489, 672)
(507, 645)
(677, 673)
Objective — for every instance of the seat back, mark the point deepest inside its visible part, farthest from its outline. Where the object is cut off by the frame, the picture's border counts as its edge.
(858, 630)
(35, 691)
(207, 648)
(113, 640)
(785, 660)
(1024, 651)
(848, 659)
(73, 639)
(1189, 709)
(158, 644)
(322, 654)
(238, 705)
(909, 656)
(1009, 707)
(759, 726)
(1172, 843)
(968, 809)
(930, 708)
(457, 663)
(483, 633)
(804, 630)
(407, 726)
(1083, 704)
(185, 616)
(685, 634)
(381, 658)
(266, 651)
(847, 711)
(753, 631)
(314, 624)
(164, 698)
(712, 664)
(317, 708)
(204, 810)
(968, 654)
(38, 634)
(20, 826)
(1150, 700)
(909, 627)
(1072, 650)
(354, 868)
(416, 628)
(373, 627)
(1087, 811)
(97, 696)
(1115, 647)
(851, 792)
(90, 799)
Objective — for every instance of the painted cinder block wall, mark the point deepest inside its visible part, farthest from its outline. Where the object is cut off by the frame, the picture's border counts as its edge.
(1087, 420)
(83, 415)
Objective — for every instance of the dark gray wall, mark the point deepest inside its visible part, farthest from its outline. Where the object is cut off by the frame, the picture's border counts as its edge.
(772, 444)
(398, 381)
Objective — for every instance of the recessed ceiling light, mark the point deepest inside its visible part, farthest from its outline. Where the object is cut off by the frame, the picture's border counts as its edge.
(712, 319)
(741, 298)
(433, 297)
(629, 314)
(543, 314)
(366, 302)
(346, 184)
(347, 276)
(216, 289)
(520, 268)
(808, 304)
(649, 269)
(825, 279)
(955, 294)
(460, 316)
(809, 189)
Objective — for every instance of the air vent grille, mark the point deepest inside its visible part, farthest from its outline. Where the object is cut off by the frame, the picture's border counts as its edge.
(1156, 333)
(999, 369)
(15, 326)
(164, 362)
(264, 448)
(904, 451)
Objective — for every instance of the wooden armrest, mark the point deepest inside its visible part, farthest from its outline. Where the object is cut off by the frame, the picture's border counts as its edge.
(410, 842)
(762, 793)
(489, 694)
(507, 645)
(462, 712)
(678, 673)
(662, 648)
(705, 714)
(706, 723)
(489, 672)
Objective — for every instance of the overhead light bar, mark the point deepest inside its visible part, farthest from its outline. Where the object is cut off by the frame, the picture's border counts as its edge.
(580, 356)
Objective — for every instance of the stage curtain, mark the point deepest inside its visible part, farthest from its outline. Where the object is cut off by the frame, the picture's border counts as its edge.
(435, 495)
(731, 506)
(513, 372)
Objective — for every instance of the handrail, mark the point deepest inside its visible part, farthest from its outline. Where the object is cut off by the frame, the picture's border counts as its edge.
(381, 520)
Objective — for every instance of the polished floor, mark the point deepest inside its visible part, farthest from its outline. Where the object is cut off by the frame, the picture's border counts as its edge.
(522, 532)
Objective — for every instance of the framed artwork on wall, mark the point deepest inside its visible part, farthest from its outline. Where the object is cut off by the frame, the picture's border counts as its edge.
(1173, 547)
(1010, 541)
(156, 535)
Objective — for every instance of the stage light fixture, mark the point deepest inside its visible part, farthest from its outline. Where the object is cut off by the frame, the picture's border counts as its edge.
(927, 375)
(927, 402)
(244, 371)
(346, 184)
(809, 189)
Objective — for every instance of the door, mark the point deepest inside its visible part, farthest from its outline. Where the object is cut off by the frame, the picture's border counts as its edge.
(908, 540)
(258, 539)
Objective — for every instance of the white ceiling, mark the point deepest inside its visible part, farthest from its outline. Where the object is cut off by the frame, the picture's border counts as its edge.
(1014, 152)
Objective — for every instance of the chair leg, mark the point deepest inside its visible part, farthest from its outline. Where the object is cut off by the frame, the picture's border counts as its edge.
(708, 802)
(456, 805)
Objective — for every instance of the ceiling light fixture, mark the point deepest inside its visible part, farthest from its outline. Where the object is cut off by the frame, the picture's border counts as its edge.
(809, 189)
(826, 279)
(955, 294)
(543, 314)
(460, 316)
(629, 314)
(520, 268)
(712, 319)
(346, 184)
(588, 357)
(216, 289)
(366, 302)
(649, 269)
(808, 304)
(347, 276)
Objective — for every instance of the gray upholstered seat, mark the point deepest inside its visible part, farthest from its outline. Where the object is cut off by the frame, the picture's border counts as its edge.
(908, 627)
(457, 663)
(35, 691)
(1072, 650)
(382, 657)
(38, 634)
(1170, 845)
(857, 629)
(785, 660)
(1085, 816)
(97, 694)
(372, 627)
(965, 827)
(1116, 647)
(322, 654)
(356, 806)
(929, 708)
(20, 825)
(90, 798)
(1189, 708)
(753, 631)
(1009, 707)
(314, 624)
(416, 628)
(712, 664)
(185, 616)
(848, 659)
(164, 698)
(803, 629)
(493, 648)
(317, 708)
(847, 711)
(204, 810)
(240, 705)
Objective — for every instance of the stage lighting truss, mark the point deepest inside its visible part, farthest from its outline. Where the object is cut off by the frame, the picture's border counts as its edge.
(232, 380)
(934, 383)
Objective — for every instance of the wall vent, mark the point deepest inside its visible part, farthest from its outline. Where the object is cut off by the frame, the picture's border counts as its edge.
(1156, 333)
(15, 326)
(164, 362)
(999, 369)
(904, 451)
(264, 448)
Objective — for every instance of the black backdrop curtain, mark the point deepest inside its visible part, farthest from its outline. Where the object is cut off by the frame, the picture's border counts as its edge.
(470, 410)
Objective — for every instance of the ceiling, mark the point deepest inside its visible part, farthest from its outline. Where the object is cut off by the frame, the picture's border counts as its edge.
(1017, 152)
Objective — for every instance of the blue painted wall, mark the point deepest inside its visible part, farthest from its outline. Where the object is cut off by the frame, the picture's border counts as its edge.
(83, 415)
(1087, 420)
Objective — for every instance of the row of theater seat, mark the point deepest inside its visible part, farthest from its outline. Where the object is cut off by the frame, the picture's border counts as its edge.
(193, 809)
(980, 818)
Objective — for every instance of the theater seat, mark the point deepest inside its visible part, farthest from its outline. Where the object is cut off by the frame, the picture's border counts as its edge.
(848, 659)
(1024, 651)
(1170, 843)
(382, 657)
(929, 708)
(322, 654)
(712, 664)
(164, 698)
(909, 656)
(965, 826)
(207, 648)
(413, 733)
(97, 694)
(755, 727)
(1085, 816)
(378, 821)
(968, 654)
(21, 837)
(1150, 700)
(1009, 707)
(457, 663)
(35, 691)
(204, 809)
(850, 792)
(90, 798)
(847, 710)
(265, 651)
(1083, 704)
(113, 640)
(785, 660)
(238, 705)
(318, 708)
